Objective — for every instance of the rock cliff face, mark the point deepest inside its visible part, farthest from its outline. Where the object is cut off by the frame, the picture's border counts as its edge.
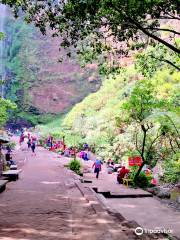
(36, 81)
(59, 85)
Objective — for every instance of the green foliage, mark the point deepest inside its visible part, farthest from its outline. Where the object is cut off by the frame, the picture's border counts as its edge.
(105, 102)
(155, 58)
(78, 19)
(127, 116)
(33, 118)
(142, 101)
(27, 57)
(150, 130)
(21, 65)
(75, 166)
(53, 127)
(103, 31)
(143, 180)
(1, 36)
(73, 140)
(5, 104)
(133, 172)
(5, 107)
(172, 169)
(104, 119)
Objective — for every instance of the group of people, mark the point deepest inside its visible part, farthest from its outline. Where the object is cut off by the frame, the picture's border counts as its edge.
(53, 144)
(60, 146)
(85, 154)
(31, 140)
(122, 171)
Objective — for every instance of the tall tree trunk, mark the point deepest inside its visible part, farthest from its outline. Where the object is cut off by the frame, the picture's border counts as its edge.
(138, 172)
(173, 48)
(142, 152)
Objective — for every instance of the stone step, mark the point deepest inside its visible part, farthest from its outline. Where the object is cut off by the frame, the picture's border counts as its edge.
(124, 194)
(3, 185)
(12, 174)
(86, 181)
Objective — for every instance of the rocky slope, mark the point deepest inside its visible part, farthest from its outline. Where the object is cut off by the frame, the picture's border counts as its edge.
(36, 81)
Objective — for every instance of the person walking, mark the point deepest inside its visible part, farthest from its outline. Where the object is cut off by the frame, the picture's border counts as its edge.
(21, 139)
(29, 143)
(33, 146)
(97, 167)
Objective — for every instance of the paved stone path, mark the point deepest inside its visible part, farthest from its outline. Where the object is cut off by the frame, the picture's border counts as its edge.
(149, 212)
(46, 204)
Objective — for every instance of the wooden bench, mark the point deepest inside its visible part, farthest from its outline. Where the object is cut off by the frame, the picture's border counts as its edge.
(12, 175)
(3, 185)
(126, 181)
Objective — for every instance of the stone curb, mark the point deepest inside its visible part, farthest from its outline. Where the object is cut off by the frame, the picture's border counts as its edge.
(99, 206)
(97, 202)
(91, 198)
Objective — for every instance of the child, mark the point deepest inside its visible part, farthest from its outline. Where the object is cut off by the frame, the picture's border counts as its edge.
(97, 167)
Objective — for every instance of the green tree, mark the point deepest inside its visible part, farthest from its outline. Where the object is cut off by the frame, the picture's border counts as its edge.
(140, 107)
(5, 106)
(122, 21)
(156, 57)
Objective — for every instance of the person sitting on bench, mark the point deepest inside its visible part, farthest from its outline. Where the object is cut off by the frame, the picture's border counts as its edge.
(122, 174)
(8, 157)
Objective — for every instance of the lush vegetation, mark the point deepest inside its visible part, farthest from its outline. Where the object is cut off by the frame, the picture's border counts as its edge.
(133, 113)
(31, 68)
(5, 107)
(89, 27)
(124, 20)
(22, 66)
(136, 111)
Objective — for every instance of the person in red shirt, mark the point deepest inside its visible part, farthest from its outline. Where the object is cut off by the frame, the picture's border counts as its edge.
(122, 174)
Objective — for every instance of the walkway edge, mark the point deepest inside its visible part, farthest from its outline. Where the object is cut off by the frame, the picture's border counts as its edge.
(99, 206)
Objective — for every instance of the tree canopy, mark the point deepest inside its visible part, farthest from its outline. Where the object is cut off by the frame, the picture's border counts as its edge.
(152, 127)
(5, 106)
(119, 21)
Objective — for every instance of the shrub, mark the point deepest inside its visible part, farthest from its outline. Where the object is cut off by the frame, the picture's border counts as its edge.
(75, 166)
(172, 169)
(41, 142)
(143, 180)
(133, 172)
